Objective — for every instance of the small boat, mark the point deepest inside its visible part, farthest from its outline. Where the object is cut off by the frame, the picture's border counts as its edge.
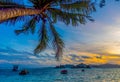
(23, 72)
(64, 71)
(82, 70)
(15, 68)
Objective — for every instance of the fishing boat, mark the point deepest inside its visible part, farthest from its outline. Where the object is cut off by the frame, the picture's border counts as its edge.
(82, 70)
(64, 71)
(23, 72)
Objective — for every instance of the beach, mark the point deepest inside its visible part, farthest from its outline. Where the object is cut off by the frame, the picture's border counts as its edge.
(53, 75)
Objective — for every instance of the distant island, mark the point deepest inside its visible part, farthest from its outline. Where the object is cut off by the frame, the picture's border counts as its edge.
(82, 65)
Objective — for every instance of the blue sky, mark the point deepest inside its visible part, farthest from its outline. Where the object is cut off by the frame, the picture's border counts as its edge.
(95, 42)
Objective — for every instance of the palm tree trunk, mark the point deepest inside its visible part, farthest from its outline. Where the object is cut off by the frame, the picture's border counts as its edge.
(9, 13)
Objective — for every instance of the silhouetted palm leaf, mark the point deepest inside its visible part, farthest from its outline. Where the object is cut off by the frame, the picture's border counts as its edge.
(10, 4)
(43, 41)
(29, 26)
(58, 43)
(72, 12)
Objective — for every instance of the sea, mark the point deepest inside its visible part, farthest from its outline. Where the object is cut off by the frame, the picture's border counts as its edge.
(54, 75)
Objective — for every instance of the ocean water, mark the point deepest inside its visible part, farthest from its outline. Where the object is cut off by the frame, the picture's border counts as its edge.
(53, 75)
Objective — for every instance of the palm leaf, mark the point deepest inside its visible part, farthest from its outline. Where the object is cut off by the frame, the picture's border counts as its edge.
(40, 3)
(43, 41)
(102, 3)
(67, 18)
(68, 11)
(58, 43)
(29, 26)
(10, 4)
(78, 6)
(15, 19)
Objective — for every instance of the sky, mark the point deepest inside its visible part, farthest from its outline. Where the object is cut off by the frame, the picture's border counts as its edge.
(95, 42)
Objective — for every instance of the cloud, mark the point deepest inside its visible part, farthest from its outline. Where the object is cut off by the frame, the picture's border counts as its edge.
(99, 57)
(11, 56)
(72, 59)
(13, 51)
(85, 57)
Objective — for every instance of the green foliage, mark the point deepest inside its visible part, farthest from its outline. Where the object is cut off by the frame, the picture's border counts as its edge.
(103, 2)
(10, 4)
(67, 17)
(68, 11)
(29, 26)
(43, 41)
(40, 3)
(72, 12)
(78, 6)
(58, 43)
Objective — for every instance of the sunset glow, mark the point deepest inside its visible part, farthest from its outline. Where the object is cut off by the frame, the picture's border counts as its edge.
(95, 42)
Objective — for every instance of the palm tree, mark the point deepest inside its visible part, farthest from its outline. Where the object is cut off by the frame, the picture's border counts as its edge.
(47, 13)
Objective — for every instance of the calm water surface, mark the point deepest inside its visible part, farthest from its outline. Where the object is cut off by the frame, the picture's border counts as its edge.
(53, 75)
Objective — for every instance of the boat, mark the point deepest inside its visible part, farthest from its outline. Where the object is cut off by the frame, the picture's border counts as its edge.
(23, 72)
(15, 68)
(64, 71)
(82, 70)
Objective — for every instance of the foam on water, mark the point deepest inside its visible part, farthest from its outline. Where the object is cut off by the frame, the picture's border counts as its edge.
(53, 75)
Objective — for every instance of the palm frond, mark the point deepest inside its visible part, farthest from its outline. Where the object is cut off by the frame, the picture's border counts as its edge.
(29, 26)
(43, 41)
(68, 11)
(64, 1)
(40, 3)
(58, 43)
(10, 4)
(67, 18)
(102, 3)
(14, 20)
(79, 6)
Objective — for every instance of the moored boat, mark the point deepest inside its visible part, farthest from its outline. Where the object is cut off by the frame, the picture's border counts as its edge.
(64, 71)
(23, 72)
